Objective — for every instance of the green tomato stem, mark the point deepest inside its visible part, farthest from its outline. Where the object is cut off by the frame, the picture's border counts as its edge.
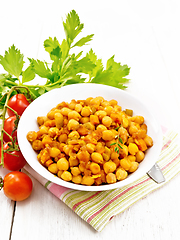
(7, 135)
(3, 115)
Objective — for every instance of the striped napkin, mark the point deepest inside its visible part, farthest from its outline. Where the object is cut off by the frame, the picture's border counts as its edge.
(98, 208)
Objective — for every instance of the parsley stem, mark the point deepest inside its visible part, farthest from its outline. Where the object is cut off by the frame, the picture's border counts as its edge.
(11, 83)
(19, 81)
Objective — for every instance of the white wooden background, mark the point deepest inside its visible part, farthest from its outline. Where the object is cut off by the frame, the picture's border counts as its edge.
(143, 34)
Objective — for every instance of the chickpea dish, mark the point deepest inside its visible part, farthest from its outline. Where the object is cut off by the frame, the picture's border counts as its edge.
(90, 142)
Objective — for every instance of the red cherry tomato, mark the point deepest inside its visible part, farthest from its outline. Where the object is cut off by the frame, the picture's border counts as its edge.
(14, 160)
(18, 103)
(9, 127)
(17, 186)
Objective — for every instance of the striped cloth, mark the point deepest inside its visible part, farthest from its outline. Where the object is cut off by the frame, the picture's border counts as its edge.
(98, 208)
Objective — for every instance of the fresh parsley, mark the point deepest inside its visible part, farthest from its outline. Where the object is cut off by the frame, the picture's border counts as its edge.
(65, 68)
(117, 145)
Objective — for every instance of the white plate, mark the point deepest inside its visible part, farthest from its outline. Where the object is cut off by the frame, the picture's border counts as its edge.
(44, 103)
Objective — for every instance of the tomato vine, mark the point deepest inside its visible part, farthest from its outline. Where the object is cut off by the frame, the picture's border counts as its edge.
(13, 146)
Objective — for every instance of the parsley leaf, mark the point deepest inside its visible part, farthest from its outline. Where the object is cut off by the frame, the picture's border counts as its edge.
(50, 44)
(12, 61)
(98, 64)
(72, 26)
(40, 68)
(28, 75)
(113, 75)
(83, 41)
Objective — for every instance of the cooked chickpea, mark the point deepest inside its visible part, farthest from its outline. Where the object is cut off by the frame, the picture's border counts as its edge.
(139, 156)
(125, 163)
(83, 156)
(107, 121)
(113, 102)
(54, 152)
(50, 123)
(130, 140)
(59, 120)
(101, 127)
(97, 157)
(82, 167)
(75, 171)
(111, 178)
(77, 179)
(72, 104)
(87, 180)
(108, 110)
(59, 173)
(53, 168)
(53, 132)
(107, 135)
(50, 114)
(65, 111)
(96, 101)
(134, 166)
(144, 128)
(124, 150)
(138, 119)
(37, 145)
(109, 167)
(125, 122)
(67, 149)
(62, 164)
(132, 158)
(105, 103)
(84, 120)
(31, 136)
(148, 140)
(41, 120)
(43, 130)
(95, 168)
(73, 124)
(85, 112)
(66, 176)
(133, 129)
(90, 147)
(108, 143)
(117, 108)
(114, 155)
(74, 135)
(74, 115)
(63, 138)
(100, 114)
(121, 174)
(100, 148)
(133, 148)
(78, 107)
